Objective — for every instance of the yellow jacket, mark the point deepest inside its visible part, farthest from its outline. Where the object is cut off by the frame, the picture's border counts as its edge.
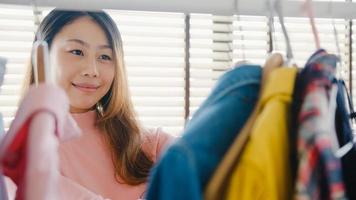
(263, 172)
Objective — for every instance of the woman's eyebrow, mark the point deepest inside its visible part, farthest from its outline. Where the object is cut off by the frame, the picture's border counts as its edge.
(104, 46)
(78, 41)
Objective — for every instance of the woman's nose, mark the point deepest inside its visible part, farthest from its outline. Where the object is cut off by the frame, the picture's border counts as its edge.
(91, 69)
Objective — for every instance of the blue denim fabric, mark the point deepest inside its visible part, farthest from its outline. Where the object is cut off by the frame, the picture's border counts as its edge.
(186, 167)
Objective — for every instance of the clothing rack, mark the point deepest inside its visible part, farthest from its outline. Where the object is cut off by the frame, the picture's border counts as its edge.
(341, 10)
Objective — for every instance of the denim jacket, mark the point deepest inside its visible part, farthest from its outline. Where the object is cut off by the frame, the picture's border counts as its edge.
(186, 167)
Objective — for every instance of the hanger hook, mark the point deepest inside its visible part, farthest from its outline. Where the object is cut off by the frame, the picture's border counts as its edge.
(236, 12)
(337, 44)
(36, 17)
(271, 24)
(309, 10)
(278, 8)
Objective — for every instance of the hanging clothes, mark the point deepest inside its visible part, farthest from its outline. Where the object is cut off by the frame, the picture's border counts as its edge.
(293, 127)
(263, 171)
(345, 135)
(319, 173)
(185, 168)
(216, 188)
(29, 151)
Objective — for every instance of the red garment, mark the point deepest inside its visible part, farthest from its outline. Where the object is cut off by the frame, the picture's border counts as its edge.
(14, 162)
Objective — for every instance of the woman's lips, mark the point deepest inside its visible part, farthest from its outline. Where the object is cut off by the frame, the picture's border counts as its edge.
(86, 87)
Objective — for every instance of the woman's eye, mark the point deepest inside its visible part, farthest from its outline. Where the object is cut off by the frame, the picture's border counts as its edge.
(105, 57)
(77, 52)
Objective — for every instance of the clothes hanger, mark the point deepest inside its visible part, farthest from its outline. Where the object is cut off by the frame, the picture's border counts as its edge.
(271, 26)
(40, 56)
(308, 9)
(277, 6)
(236, 6)
(335, 33)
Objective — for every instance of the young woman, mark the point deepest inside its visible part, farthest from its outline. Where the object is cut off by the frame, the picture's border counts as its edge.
(114, 155)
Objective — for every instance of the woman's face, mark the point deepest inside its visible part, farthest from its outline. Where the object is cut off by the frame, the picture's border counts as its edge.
(83, 58)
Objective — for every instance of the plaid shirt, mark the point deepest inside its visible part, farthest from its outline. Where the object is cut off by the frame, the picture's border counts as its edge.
(319, 173)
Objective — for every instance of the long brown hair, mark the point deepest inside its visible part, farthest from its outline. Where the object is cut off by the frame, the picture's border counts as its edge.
(118, 119)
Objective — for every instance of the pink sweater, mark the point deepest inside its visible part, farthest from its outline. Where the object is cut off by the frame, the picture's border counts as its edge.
(85, 171)
(86, 164)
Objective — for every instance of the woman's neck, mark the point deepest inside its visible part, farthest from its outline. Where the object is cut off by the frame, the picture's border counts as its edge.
(86, 120)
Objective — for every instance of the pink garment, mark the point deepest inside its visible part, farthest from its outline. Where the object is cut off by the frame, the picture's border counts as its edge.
(86, 169)
(29, 151)
(86, 161)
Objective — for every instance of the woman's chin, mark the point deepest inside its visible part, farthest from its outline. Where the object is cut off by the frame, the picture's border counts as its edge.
(81, 108)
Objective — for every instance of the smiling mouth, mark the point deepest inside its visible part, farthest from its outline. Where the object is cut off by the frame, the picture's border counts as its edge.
(85, 87)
